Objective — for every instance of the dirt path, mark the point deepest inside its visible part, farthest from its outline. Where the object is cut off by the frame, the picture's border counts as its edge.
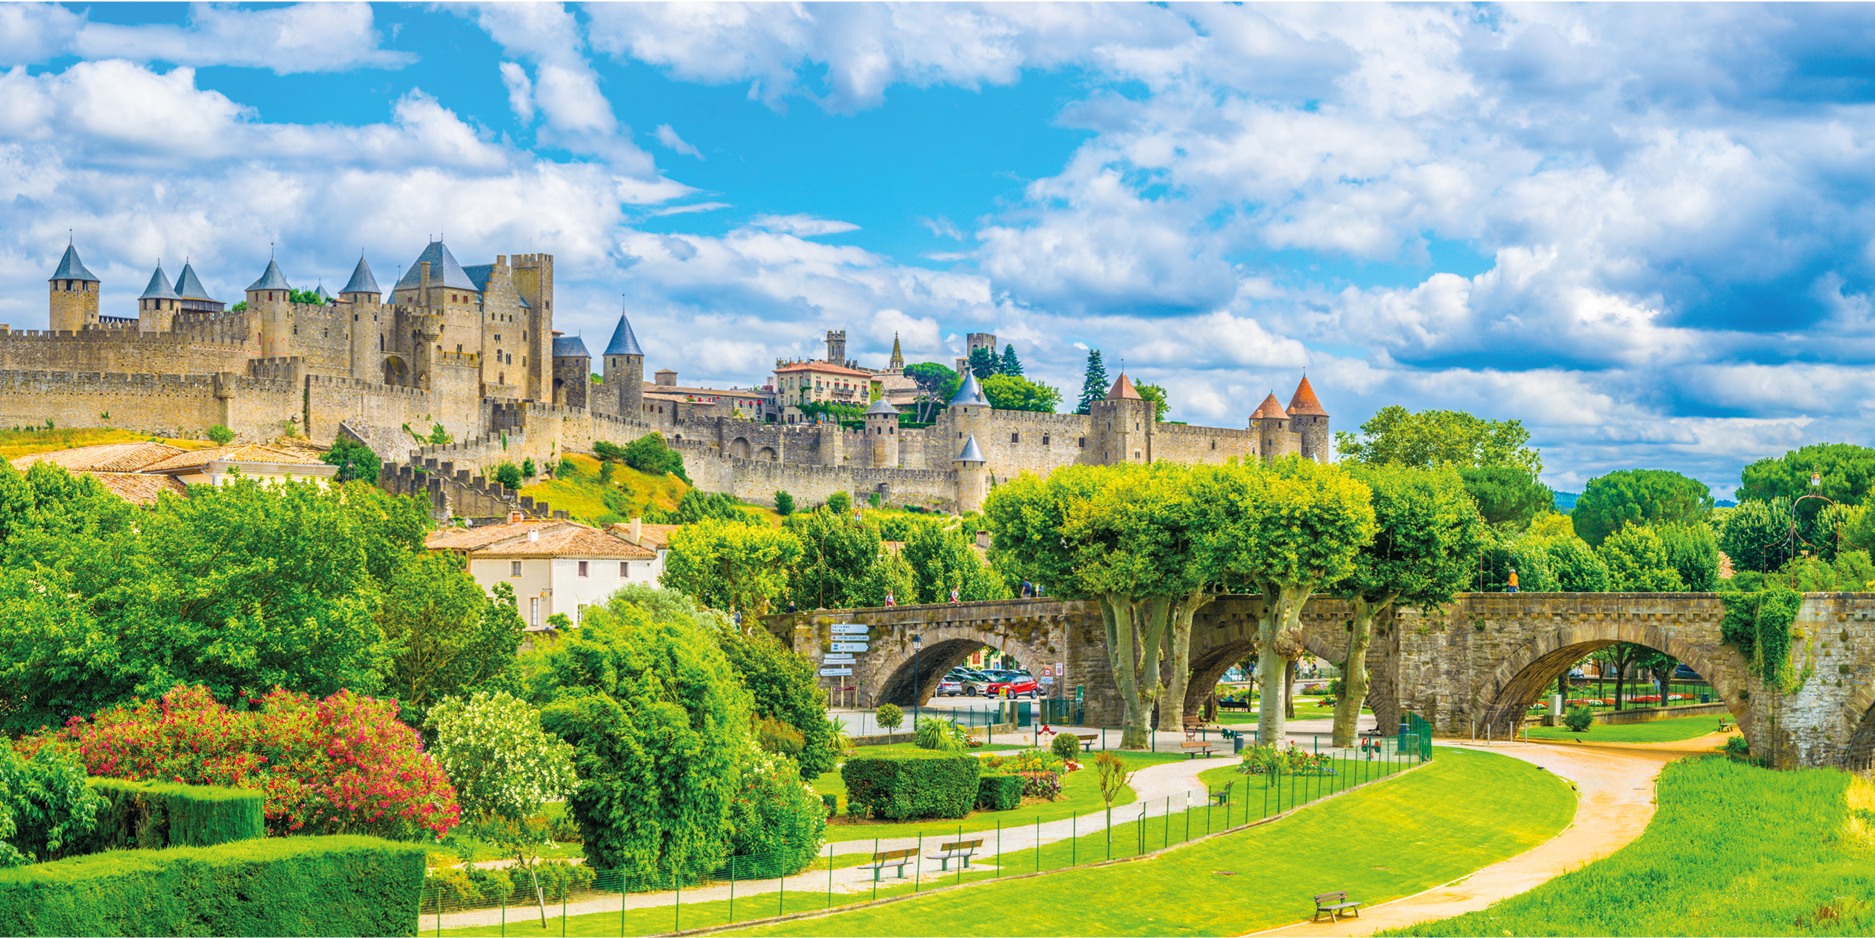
(1616, 786)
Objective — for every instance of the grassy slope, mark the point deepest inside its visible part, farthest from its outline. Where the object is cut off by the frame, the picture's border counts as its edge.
(1733, 850)
(17, 443)
(1658, 731)
(580, 494)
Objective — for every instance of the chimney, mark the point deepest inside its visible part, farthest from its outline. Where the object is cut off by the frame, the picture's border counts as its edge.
(423, 279)
(514, 517)
(533, 534)
(638, 531)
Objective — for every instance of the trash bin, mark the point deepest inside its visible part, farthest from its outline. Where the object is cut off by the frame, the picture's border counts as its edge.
(1236, 743)
(1705, 698)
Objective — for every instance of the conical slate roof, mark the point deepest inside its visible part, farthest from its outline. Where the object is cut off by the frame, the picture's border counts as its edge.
(1269, 409)
(362, 281)
(1123, 390)
(970, 452)
(880, 406)
(189, 286)
(1304, 403)
(444, 271)
(969, 393)
(569, 346)
(623, 341)
(271, 279)
(320, 292)
(159, 288)
(71, 268)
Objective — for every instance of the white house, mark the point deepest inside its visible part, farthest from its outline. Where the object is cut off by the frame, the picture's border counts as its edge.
(554, 566)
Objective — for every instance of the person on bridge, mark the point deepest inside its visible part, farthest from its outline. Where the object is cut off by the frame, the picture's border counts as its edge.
(1513, 579)
(1028, 589)
(890, 599)
(954, 594)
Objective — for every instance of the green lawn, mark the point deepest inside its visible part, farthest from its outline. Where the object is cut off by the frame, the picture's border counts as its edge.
(1733, 850)
(1465, 811)
(1657, 731)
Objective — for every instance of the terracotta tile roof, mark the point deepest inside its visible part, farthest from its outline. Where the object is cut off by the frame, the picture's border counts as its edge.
(824, 367)
(1269, 408)
(573, 540)
(1304, 402)
(654, 536)
(476, 538)
(1123, 390)
(240, 452)
(109, 457)
(139, 488)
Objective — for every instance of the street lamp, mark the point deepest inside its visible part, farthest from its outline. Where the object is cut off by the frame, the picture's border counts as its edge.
(917, 642)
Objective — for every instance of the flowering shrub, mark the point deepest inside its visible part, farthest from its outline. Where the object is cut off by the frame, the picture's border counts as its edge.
(1040, 785)
(776, 820)
(343, 764)
(1294, 760)
(1028, 760)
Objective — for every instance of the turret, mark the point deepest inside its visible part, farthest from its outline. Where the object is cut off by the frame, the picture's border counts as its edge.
(195, 298)
(365, 301)
(1271, 425)
(973, 476)
(968, 412)
(1309, 423)
(156, 308)
(572, 371)
(882, 434)
(625, 370)
(73, 302)
(836, 346)
(269, 300)
(1124, 423)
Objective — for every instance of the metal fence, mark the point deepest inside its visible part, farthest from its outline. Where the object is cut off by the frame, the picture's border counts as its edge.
(573, 899)
(1416, 736)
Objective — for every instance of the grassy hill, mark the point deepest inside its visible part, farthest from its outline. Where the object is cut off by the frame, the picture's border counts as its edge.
(628, 495)
(17, 443)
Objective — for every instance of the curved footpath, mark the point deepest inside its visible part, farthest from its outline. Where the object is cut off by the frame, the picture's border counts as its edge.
(1616, 786)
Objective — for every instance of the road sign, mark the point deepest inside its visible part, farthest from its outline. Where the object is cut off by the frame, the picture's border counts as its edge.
(1048, 679)
(836, 659)
(847, 628)
(835, 672)
(847, 646)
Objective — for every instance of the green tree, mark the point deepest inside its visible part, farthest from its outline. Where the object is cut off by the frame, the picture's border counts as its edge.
(936, 386)
(1425, 543)
(784, 503)
(1694, 553)
(1757, 535)
(46, 809)
(1507, 495)
(649, 454)
(1638, 562)
(1094, 384)
(1440, 437)
(1005, 392)
(838, 558)
(220, 435)
(1286, 531)
(1638, 496)
(443, 635)
(1575, 564)
(1011, 366)
(1845, 474)
(659, 725)
(355, 460)
(509, 475)
(697, 505)
(306, 297)
(941, 558)
(984, 363)
(731, 566)
(1155, 394)
(528, 470)
(783, 686)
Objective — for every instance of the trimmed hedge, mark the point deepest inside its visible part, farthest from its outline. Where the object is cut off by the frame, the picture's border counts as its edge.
(999, 792)
(153, 815)
(911, 785)
(345, 885)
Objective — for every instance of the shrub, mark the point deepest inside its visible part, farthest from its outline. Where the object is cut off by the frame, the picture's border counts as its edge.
(785, 691)
(1028, 760)
(220, 435)
(528, 470)
(1738, 747)
(1579, 718)
(509, 475)
(832, 801)
(776, 818)
(153, 815)
(1041, 785)
(999, 792)
(293, 886)
(924, 785)
(46, 809)
(778, 737)
(839, 503)
(1066, 745)
(889, 717)
(940, 734)
(354, 459)
(784, 503)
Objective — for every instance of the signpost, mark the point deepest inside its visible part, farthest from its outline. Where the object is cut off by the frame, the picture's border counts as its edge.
(847, 628)
(847, 646)
(835, 672)
(836, 659)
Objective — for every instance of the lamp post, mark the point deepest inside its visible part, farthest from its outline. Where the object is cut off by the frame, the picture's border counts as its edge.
(917, 688)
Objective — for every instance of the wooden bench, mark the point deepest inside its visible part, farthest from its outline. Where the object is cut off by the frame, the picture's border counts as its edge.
(1334, 903)
(1193, 747)
(962, 850)
(1087, 740)
(1223, 794)
(1725, 725)
(885, 858)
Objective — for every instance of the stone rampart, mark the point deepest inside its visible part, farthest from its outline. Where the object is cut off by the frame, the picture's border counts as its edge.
(169, 405)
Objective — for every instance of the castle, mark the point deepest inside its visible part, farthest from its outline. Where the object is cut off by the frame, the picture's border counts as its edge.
(469, 355)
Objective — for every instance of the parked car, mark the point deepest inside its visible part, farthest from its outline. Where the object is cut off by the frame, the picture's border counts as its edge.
(1684, 673)
(1021, 686)
(952, 687)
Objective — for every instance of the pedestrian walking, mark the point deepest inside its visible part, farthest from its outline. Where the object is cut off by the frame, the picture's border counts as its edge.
(954, 594)
(1513, 579)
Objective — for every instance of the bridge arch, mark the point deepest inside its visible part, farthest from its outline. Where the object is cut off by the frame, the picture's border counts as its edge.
(907, 673)
(1318, 639)
(1527, 673)
(1860, 754)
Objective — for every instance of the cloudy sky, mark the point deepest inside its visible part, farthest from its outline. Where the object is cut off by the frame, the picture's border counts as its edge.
(1646, 231)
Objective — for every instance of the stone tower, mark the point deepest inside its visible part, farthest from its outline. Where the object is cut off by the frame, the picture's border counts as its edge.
(897, 364)
(1123, 423)
(836, 346)
(73, 304)
(195, 298)
(625, 370)
(974, 341)
(533, 280)
(973, 476)
(1309, 422)
(269, 300)
(156, 308)
(1272, 426)
(968, 413)
(882, 434)
(572, 371)
(365, 300)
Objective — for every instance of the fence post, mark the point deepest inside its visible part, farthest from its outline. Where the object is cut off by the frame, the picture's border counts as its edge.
(563, 885)
(1038, 843)
(504, 913)
(1168, 821)
(732, 882)
(999, 848)
(960, 863)
(677, 908)
(829, 876)
(621, 903)
(876, 873)
(781, 897)
(1074, 846)
(917, 866)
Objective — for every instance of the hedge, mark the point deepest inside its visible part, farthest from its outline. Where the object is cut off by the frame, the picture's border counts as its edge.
(999, 792)
(152, 815)
(911, 785)
(346, 885)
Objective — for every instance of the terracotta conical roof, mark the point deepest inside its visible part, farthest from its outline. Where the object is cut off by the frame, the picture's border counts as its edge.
(1123, 390)
(1269, 409)
(1304, 402)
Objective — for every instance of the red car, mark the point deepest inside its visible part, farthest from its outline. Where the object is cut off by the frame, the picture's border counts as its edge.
(1015, 687)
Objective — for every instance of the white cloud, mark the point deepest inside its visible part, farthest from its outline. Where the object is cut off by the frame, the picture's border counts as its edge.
(806, 226)
(520, 91)
(669, 138)
(306, 37)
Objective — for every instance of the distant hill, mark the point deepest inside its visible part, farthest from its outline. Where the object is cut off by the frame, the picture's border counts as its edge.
(1725, 503)
(1566, 501)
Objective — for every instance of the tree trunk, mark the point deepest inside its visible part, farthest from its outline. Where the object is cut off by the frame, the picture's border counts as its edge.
(1289, 688)
(1135, 630)
(1178, 658)
(1354, 669)
(1282, 606)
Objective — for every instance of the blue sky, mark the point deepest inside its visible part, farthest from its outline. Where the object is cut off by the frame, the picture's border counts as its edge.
(1646, 231)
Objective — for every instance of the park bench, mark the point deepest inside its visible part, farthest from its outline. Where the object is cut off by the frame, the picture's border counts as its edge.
(1334, 903)
(1223, 794)
(1087, 740)
(1193, 747)
(962, 850)
(1725, 725)
(885, 858)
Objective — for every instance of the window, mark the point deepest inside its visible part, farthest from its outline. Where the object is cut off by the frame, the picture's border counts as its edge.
(579, 613)
(624, 570)
(1015, 437)
(1044, 439)
(1083, 441)
(582, 568)
(515, 570)
(533, 611)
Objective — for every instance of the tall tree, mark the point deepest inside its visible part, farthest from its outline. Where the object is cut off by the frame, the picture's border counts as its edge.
(1009, 393)
(985, 363)
(1012, 366)
(936, 385)
(1575, 564)
(731, 566)
(1845, 474)
(1638, 562)
(1427, 536)
(1284, 531)
(1440, 437)
(839, 557)
(1758, 535)
(1093, 384)
(1155, 394)
(1638, 496)
(1507, 495)
(444, 636)
(942, 558)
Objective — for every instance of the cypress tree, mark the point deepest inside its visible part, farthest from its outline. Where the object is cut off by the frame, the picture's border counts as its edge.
(1012, 366)
(1094, 387)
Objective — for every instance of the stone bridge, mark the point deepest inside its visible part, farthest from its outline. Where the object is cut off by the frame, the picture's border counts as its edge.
(1473, 667)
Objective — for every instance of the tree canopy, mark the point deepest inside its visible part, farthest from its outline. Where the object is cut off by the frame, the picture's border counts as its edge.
(1846, 474)
(731, 565)
(936, 383)
(1638, 496)
(1440, 437)
(1094, 383)
(1155, 394)
(1008, 392)
(1507, 495)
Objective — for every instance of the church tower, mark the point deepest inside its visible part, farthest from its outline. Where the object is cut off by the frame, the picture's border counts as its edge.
(625, 370)
(897, 365)
(73, 305)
